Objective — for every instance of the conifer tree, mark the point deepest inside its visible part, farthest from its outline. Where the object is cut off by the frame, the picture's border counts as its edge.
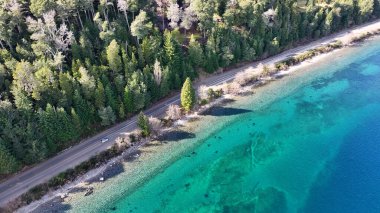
(76, 122)
(187, 95)
(8, 163)
(107, 115)
(140, 26)
(99, 96)
(128, 100)
(143, 124)
(121, 110)
(113, 57)
(195, 52)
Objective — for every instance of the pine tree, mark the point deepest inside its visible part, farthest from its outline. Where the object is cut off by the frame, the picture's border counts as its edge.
(67, 90)
(99, 96)
(82, 109)
(128, 100)
(113, 57)
(139, 91)
(64, 128)
(76, 122)
(169, 47)
(173, 56)
(143, 124)
(195, 52)
(187, 95)
(107, 115)
(87, 82)
(38, 7)
(47, 122)
(140, 26)
(121, 110)
(110, 98)
(166, 84)
(8, 163)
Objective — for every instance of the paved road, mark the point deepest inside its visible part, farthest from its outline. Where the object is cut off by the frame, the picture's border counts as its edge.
(69, 158)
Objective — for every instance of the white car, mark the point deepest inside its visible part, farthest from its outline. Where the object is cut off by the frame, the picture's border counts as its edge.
(104, 140)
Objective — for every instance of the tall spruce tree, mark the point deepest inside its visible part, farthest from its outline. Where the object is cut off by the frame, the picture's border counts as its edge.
(187, 95)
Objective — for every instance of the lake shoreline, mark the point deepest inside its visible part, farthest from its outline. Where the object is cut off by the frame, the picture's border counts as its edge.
(94, 173)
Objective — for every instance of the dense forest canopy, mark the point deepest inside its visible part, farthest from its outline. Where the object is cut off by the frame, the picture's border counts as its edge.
(68, 67)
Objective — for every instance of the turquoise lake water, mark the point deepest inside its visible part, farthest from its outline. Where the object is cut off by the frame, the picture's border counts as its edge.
(315, 149)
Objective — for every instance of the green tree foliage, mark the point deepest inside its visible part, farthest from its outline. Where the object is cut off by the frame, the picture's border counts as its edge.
(38, 7)
(56, 127)
(138, 91)
(366, 8)
(174, 60)
(113, 57)
(140, 26)
(69, 66)
(8, 163)
(195, 52)
(128, 100)
(99, 96)
(107, 115)
(143, 124)
(187, 95)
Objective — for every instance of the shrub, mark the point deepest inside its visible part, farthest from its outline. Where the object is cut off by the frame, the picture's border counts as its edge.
(212, 94)
(282, 66)
(173, 112)
(266, 71)
(242, 78)
(202, 92)
(203, 102)
(133, 138)
(233, 88)
(155, 125)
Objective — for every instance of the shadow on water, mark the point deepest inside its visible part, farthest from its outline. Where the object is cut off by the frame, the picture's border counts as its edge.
(225, 111)
(176, 135)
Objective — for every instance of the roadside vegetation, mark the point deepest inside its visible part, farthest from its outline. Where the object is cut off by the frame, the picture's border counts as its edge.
(70, 68)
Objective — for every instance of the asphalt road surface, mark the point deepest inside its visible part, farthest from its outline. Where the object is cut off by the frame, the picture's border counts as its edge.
(22, 182)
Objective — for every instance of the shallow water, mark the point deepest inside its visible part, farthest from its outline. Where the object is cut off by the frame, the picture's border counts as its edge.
(312, 148)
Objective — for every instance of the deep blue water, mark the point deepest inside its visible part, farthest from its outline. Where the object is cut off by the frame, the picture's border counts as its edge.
(351, 181)
(353, 177)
